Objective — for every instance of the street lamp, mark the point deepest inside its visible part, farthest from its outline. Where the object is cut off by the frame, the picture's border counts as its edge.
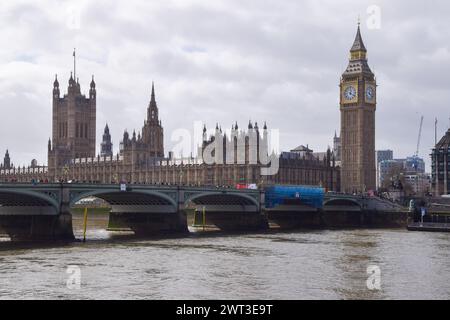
(65, 170)
(181, 177)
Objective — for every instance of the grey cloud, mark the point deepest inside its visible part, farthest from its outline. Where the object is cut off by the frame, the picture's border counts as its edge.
(222, 61)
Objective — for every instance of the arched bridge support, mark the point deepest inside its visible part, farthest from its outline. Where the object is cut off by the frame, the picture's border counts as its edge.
(230, 211)
(37, 227)
(145, 211)
(35, 215)
(147, 223)
(342, 212)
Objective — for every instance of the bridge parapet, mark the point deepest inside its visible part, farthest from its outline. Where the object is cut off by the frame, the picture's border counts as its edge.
(365, 202)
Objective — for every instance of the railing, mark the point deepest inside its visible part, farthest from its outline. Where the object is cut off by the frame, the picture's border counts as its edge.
(96, 160)
(162, 163)
(23, 170)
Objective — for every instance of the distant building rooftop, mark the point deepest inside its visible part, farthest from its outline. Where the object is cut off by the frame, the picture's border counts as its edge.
(302, 148)
(444, 143)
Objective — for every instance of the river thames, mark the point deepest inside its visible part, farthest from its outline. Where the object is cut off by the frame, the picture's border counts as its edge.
(272, 265)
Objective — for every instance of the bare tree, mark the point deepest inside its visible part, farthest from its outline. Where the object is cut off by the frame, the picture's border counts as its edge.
(395, 180)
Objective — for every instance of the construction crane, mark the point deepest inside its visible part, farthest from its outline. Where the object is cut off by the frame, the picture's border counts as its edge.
(415, 163)
(420, 136)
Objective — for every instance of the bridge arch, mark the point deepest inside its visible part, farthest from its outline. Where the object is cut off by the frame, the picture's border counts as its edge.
(26, 198)
(222, 198)
(129, 198)
(342, 202)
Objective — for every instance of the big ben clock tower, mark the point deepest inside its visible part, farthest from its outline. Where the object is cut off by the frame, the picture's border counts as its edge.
(358, 104)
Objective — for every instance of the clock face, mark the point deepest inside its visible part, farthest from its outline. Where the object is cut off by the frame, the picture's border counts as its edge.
(350, 93)
(370, 93)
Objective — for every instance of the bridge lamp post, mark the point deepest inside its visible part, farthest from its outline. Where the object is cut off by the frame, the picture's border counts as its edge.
(65, 170)
(181, 176)
(261, 182)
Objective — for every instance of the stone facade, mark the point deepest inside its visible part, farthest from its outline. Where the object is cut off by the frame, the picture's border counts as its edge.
(238, 159)
(189, 171)
(73, 124)
(358, 105)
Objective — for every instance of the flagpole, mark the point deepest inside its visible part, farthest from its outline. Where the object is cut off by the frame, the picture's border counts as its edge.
(74, 65)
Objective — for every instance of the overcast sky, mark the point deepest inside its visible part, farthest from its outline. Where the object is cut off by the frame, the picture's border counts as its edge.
(222, 61)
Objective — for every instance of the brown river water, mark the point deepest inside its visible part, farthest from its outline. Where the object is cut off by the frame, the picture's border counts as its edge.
(272, 265)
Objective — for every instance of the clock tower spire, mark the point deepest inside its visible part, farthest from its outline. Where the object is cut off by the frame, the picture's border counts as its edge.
(358, 105)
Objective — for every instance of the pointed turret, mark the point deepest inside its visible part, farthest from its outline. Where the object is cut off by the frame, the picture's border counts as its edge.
(358, 44)
(153, 93)
(56, 87)
(358, 57)
(56, 82)
(152, 132)
(7, 161)
(92, 83)
(92, 90)
(126, 136)
(152, 112)
(204, 135)
(106, 146)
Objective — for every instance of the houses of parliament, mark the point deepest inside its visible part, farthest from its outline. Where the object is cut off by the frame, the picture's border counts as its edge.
(72, 156)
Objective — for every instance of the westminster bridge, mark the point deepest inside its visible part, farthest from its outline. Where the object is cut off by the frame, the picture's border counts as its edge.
(42, 211)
